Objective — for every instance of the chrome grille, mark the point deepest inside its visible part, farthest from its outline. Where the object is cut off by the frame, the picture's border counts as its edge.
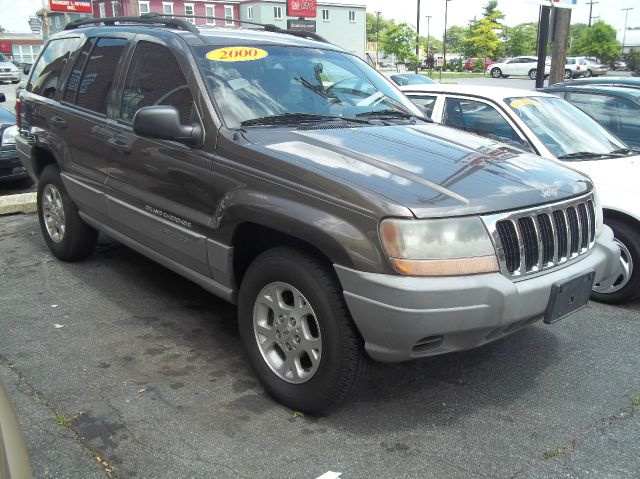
(530, 241)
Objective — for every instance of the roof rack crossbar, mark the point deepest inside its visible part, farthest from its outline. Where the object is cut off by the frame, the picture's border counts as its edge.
(144, 19)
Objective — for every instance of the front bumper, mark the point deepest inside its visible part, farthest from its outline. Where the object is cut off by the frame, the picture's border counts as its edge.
(10, 166)
(403, 317)
(9, 76)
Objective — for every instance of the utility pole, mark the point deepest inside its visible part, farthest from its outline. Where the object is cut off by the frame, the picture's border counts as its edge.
(591, 10)
(45, 20)
(624, 32)
(444, 38)
(560, 44)
(428, 17)
(543, 37)
(378, 38)
(418, 38)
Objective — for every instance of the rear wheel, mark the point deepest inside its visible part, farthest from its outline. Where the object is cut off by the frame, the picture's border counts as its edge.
(297, 332)
(496, 72)
(532, 74)
(588, 74)
(67, 236)
(626, 285)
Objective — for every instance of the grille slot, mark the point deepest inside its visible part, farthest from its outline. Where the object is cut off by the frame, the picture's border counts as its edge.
(542, 238)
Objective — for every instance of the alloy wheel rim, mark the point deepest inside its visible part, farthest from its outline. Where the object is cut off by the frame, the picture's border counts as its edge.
(53, 213)
(287, 332)
(625, 270)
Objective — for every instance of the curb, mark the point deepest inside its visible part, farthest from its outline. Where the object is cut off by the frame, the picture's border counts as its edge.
(22, 203)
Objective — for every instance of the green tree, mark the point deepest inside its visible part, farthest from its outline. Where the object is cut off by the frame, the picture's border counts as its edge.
(632, 60)
(577, 33)
(435, 45)
(376, 26)
(399, 40)
(456, 39)
(599, 41)
(491, 11)
(484, 38)
(520, 40)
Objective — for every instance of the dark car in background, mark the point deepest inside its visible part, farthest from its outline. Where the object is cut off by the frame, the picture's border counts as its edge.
(411, 79)
(616, 108)
(11, 168)
(631, 82)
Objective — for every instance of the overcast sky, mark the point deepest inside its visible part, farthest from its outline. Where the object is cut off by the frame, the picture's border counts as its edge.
(14, 13)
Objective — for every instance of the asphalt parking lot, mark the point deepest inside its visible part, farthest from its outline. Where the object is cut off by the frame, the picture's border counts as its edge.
(119, 359)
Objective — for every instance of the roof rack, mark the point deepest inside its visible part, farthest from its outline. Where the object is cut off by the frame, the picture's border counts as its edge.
(178, 22)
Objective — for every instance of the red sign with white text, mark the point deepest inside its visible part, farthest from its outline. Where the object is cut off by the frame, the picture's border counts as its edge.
(71, 6)
(302, 8)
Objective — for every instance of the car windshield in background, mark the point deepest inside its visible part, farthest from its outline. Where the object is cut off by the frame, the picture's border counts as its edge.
(412, 80)
(3, 58)
(253, 83)
(564, 129)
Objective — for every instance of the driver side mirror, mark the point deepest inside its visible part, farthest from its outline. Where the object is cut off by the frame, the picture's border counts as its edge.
(163, 122)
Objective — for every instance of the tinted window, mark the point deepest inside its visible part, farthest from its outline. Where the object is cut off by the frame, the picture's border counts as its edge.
(45, 76)
(479, 118)
(425, 101)
(74, 78)
(98, 75)
(155, 78)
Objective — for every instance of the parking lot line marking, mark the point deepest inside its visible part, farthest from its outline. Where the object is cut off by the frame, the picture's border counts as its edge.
(330, 475)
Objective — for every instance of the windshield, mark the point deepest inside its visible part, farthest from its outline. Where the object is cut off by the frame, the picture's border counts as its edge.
(249, 83)
(563, 128)
(3, 58)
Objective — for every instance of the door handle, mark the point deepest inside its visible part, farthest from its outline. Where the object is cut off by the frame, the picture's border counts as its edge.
(58, 122)
(118, 145)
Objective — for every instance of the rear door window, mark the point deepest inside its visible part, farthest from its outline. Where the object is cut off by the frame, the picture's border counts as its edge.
(425, 101)
(99, 74)
(46, 74)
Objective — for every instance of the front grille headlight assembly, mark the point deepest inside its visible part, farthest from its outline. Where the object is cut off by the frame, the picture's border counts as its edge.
(438, 247)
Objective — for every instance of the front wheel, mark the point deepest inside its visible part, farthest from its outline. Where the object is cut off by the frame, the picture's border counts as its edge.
(297, 332)
(496, 72)
(532, 74)
(588, 74)
(568, 74)
(67, 236)
(626, 286)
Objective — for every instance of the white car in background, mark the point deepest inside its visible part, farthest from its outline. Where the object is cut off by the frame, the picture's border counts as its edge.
(551, 127)
(521, 66)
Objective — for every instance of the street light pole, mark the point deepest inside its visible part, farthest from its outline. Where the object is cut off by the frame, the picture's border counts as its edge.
(418, 38)
(624, 32)
(444, 38)
(428, 17)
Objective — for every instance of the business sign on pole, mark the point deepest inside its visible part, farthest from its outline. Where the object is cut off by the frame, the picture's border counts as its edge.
(35, 25)
(302, 8)
(302, 25)
(71, 6)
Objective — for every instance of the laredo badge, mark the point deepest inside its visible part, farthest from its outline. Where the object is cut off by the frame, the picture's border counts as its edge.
(236, 54)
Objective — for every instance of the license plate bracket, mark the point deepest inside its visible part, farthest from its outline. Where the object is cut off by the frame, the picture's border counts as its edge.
(568, 296)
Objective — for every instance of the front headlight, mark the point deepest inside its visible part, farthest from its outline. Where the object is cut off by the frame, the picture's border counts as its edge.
(9, 135)
(438, 247)
(597, 206)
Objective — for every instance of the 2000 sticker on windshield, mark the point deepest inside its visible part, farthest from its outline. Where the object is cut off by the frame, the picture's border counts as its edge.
(520, 102)
(236, 54)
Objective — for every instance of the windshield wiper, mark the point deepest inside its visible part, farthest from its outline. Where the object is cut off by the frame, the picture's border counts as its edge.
(582, 154)
(384, 114)
(293, 118)
(625, 151)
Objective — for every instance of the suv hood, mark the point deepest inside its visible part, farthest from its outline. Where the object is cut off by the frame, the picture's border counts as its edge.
(9, 65)
(430, 169)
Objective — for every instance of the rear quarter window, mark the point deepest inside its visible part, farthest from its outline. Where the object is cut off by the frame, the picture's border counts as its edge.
(46, 74)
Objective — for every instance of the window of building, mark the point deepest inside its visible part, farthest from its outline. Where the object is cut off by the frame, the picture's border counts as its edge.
(103, 12)
(45, 79)
(189, 12)
(325, 15)
(97, 77)
(143, 7)
(277, 13)
(115, 8)
(155, 78)
(249, 13)
(209, 12)
(167, 8)
(352, 16)
(228, 15)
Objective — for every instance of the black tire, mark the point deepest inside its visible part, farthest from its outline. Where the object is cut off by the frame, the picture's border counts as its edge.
(343, 363)
(568, 74)
(78, 241)
(532, 74)
(588, 74)
(505, 76)
(629, 236)
(496, 72)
